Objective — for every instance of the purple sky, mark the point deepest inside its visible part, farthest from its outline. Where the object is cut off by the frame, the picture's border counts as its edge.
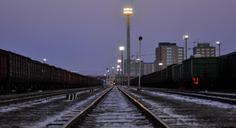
(84, 35)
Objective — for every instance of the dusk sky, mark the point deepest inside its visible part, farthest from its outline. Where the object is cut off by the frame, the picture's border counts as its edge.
(84, 35)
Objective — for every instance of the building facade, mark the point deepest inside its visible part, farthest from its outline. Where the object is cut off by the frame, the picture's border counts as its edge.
(168, 54)
(148, 68)
(204, 50)
(134, 68)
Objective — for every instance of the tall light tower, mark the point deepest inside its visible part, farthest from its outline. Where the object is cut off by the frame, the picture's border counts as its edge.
(128, 12)
(186, 37)
(218, 43)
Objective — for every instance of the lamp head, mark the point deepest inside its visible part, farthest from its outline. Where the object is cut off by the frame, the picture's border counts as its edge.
(186, 36)
(119, 61)
(140, 38)
(44, 60)
(218, 42)
(127, 11)
(118, 66)
(121, 48)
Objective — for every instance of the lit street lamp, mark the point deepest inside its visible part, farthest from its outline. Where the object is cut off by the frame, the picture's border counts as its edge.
(128, 12)
(119, 61)
(186, 37)
(118, 66)
(218, 43)
(160, 64)
(139, 75)
(44, 60)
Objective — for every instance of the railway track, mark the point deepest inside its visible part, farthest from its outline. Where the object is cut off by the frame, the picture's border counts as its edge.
(115, 108)
(9, 99)
(221, 97)
(183, 111)
(38, 113)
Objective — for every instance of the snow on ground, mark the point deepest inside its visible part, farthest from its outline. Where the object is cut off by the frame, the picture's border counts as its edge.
(192, 99)
(189, 111)
(19, 106)
(60, 114)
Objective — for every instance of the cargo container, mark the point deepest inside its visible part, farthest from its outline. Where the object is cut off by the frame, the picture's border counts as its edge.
(4, 61)
(201, 72)
(20, 73)
(228, 71)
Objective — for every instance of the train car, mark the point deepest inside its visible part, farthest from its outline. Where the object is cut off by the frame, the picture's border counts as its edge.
(177, 75)
(37, 71)
(200, 73)
(163, 77)
(194, 73)
(169, 78)
(228, 72)
(170, 72)
(147, 80)
(211, 73)
(4, 67)
(18, 72)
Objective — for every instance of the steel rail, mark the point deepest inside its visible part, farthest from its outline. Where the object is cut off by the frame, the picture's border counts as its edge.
(84, 112)
(158, 123)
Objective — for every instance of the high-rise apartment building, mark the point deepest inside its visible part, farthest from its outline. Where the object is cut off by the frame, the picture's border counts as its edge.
(204, 50)
(168, 54)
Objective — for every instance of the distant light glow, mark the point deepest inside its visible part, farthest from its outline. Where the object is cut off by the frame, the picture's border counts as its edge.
(119, 61)
(121, 48)
(138, 59)
(128, 11)
(195, 81)
(218, 42)
(118, 66)
(44, 60)
(185, 37)
(160, 64)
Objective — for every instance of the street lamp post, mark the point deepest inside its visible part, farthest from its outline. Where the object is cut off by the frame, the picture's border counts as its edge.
(186, 37)
(122, 49)
(107, 76)
(139, 75)
(218, 43)
(118, 71)
(119, 61)
(128, 12)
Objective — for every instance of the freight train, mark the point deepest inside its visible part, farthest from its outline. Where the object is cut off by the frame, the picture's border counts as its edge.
(210, 73)
(19, 73)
